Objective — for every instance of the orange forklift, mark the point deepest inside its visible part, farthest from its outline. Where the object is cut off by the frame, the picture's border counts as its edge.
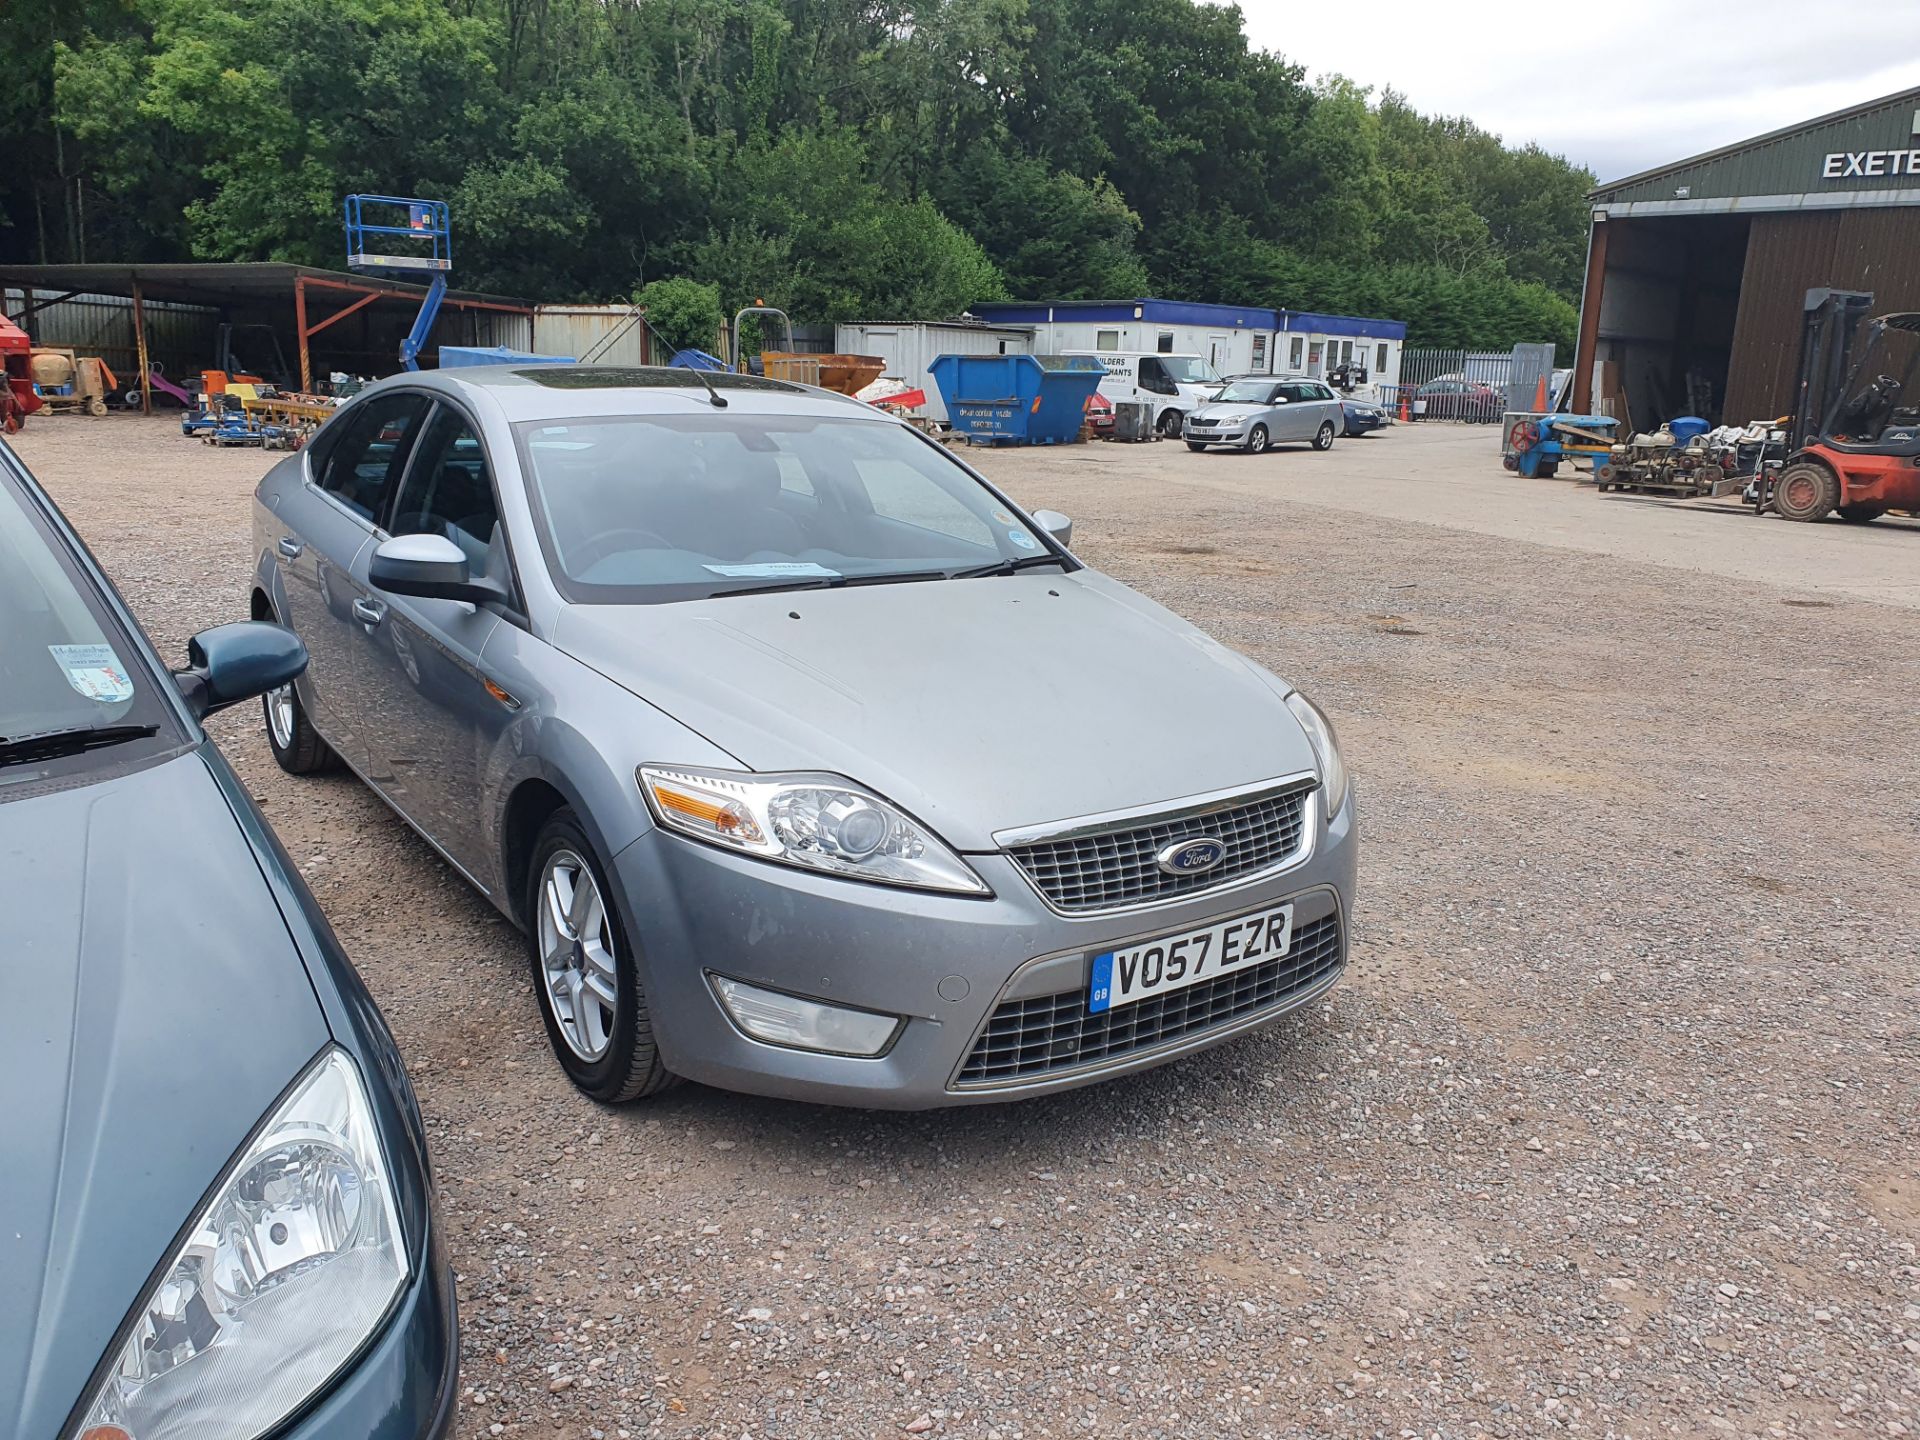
(1856, 431)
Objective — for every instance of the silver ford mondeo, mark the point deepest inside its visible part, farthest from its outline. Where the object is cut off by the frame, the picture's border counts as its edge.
(809, 763)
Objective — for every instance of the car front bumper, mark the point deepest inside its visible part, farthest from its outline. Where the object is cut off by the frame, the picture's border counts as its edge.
(944, 963)
(404, 1385)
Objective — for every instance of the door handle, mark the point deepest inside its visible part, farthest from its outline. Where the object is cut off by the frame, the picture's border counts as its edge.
(369, 612)
(289, 547)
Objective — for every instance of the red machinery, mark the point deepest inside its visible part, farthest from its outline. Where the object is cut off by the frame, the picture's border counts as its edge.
(1857, 446)
(19, 399)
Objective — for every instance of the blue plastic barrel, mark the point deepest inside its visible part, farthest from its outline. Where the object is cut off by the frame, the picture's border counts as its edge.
(1017, 399)
(1686, 427)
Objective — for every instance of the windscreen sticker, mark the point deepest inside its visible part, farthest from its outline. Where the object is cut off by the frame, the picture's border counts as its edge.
(784, 569)
(1023, 540)
(95, 671)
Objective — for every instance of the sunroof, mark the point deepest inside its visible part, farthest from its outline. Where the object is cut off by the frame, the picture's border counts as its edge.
(636, 377)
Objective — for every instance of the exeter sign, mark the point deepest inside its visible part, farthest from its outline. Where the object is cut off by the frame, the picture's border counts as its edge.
(1845, 164)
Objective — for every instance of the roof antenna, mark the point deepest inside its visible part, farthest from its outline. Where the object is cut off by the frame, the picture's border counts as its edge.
(719, 400)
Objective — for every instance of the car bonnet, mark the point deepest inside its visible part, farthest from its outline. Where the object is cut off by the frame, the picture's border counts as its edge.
(152, 1008)
(979, 705)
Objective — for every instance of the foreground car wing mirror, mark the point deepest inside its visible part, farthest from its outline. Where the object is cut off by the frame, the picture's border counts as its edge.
(1056, 525)
(430, 566)
(231, 663)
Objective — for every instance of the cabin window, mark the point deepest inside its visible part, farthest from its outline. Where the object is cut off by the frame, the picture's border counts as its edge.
(1298, 353)
(1106, 339)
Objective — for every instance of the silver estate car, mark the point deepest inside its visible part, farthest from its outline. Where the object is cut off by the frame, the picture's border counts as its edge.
(808, 762)
(1255, 411)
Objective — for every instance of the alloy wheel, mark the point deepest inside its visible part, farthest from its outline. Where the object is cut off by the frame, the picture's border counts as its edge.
(576, 955)
(280, 715)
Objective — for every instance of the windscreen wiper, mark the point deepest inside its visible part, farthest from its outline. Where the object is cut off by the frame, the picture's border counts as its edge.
(52, 744)
(834, 582)
(1010, 567)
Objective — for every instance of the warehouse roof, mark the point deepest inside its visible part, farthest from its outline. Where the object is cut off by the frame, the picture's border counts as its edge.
(1775, 163)
(219, 283)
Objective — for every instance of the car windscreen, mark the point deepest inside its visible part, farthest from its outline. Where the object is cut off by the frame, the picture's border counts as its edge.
(650, 508)
(1247, 392)
(74, 692)
(1189, 370)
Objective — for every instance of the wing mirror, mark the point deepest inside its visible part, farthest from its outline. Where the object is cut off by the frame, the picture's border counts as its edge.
(1056, 525)
(231, 663)
(429, 566)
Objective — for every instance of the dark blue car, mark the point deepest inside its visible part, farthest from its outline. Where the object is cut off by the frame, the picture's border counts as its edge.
(218, 1221)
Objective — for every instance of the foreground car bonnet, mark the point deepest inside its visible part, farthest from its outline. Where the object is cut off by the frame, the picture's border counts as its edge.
(980, 705)
(152, 1007)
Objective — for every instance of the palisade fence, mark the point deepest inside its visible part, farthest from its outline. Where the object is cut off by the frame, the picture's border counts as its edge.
(1463, 385)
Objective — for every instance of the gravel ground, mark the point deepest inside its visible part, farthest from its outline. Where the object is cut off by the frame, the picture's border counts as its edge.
(1610, 1130)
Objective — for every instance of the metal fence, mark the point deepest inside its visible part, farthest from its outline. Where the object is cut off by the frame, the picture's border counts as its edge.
(1467, 386)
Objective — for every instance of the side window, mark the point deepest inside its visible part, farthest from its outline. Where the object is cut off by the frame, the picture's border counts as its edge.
(1165, 347)
(1321, 392)
(1380, 360)
(1153, 376)
(449, 492)
(900, 492)
(1106, 340)
(366, 462)
(1299, 350)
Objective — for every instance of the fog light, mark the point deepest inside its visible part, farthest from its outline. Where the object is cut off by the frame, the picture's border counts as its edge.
(781, 1019)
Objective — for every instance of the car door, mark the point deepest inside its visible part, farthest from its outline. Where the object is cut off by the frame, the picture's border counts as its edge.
(1325, 406)
(431, 718)
(1291, 417)
(324, 531)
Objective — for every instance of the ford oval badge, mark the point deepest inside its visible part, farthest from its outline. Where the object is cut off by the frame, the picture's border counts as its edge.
(1193, 856)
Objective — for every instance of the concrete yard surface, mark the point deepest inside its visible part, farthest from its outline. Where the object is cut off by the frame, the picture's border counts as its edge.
(1612, 1128)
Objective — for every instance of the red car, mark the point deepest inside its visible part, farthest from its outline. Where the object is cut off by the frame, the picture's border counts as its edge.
(1100, 415)
(1452, 398)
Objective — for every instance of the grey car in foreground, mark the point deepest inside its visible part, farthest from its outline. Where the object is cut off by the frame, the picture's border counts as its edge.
(809, 764)
(1254, 412)
(217, 1217)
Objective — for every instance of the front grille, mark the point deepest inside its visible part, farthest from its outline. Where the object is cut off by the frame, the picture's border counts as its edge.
(1118, 867)
(1047, 1033)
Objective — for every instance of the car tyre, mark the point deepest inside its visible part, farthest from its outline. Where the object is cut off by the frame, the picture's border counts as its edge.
(1196, 445)
(578, 946)
(1257, 440)
(1805, 492)
(1323, 440)
(1170, 422)
(296, 745)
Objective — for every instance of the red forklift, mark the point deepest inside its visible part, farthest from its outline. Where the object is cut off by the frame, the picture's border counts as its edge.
(18, 398)
(1856, 431)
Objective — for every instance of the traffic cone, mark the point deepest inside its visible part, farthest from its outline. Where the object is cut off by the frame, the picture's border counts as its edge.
(1540, 396)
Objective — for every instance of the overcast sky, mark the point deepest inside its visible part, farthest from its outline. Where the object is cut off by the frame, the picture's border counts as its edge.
(1621, 87)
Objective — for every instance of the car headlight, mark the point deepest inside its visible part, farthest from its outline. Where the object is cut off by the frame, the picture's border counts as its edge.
(277, 1285)
(1326, 749)
(818, 822)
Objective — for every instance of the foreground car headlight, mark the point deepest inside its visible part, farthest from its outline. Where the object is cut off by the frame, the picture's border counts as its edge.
(818, 822)
(277, 1284)
(1326, 749)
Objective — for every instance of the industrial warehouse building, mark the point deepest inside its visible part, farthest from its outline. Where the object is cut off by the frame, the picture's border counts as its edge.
(1697, 271)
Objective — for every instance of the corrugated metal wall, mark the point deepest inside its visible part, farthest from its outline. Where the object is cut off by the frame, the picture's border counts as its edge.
(910, 349)
(1790, 254)
(179, 337)
(583, 330)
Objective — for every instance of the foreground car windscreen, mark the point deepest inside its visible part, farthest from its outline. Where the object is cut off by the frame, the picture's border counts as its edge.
(640, 509)
(72, 690)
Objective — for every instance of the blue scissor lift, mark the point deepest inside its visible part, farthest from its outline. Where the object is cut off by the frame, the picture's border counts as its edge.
(427, 249)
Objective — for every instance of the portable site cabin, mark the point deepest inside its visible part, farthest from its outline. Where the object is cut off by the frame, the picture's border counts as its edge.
(1233, 339)
(911, 347)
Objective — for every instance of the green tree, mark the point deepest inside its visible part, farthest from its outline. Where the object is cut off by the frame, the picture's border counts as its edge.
(683, 313)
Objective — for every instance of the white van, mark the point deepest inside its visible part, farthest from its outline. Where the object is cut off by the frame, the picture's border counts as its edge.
(1172, 384)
